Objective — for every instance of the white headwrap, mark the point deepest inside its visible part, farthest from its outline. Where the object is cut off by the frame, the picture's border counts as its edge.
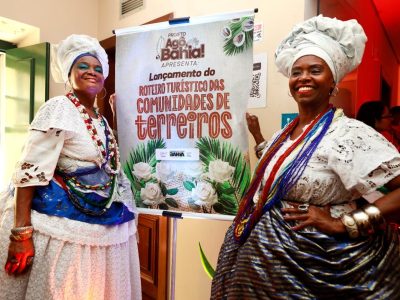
(64, 54)
(339, 43)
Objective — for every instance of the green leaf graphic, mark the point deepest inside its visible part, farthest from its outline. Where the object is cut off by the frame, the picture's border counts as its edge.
(206, 265)
(172, 202)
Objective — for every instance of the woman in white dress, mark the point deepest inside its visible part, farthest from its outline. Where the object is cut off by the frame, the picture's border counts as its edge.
(67, 229)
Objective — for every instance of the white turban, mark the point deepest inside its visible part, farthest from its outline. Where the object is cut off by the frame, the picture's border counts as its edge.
(64, 55)
(339, 43)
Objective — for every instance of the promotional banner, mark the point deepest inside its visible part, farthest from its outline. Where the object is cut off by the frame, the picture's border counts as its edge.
(182, 93)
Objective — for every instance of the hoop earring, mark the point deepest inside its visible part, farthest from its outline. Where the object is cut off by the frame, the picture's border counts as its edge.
(334, 91)
(289, 94)
(105, 93)
(67, 85)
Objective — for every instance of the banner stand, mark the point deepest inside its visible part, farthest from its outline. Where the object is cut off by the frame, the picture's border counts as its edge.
(174, 216)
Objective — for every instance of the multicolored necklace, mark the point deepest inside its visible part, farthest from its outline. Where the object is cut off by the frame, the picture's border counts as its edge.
(275, 188)
(105, 152)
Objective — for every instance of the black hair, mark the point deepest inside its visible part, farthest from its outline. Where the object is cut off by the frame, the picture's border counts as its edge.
(370, 112)
(395, 110)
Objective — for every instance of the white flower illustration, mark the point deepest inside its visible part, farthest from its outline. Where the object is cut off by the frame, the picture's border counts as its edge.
(142, 171)
(164, 171)
(151, 194)
(194, 169)
(220, 171)
(204, 194)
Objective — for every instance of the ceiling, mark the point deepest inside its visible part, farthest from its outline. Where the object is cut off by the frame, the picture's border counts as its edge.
(389, 12)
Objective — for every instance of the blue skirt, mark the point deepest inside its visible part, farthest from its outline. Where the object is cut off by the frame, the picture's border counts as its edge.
(278, 263)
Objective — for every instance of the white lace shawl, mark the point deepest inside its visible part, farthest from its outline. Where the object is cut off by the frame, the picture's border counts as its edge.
(351, 160)
(58, 137)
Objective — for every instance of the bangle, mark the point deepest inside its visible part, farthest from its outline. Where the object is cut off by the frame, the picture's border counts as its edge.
(362, 221)
(20, 238)
(22, 230)
(374, 215)
(351, 226)
(260, 146)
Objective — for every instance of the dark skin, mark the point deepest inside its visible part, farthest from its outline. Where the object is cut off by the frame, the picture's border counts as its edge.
(310, 84)
(87, 80)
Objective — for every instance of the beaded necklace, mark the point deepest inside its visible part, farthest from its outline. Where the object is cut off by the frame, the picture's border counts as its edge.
(275, 188)
(105, 152)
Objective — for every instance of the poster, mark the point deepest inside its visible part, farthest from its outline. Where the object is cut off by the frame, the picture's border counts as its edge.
(182, 93)
(258, 90)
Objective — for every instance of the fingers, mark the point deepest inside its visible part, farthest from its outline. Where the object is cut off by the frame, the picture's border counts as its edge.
(12, 265)
(302, 225)
(18, 265)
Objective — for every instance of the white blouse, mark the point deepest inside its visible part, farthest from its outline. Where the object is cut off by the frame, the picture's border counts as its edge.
(351, 160)
(58, 138)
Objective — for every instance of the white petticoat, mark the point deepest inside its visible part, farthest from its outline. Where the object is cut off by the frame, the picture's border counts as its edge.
(73, 260)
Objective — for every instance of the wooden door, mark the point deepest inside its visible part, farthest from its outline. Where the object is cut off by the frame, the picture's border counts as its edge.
(153, 230)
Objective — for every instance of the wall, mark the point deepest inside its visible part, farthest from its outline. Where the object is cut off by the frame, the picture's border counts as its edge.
(56, 20)
(191, 281)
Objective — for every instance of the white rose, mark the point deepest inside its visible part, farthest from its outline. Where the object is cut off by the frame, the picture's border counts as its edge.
(194, 169)
(151, 194)
(204, 194)
(164, 171)
(220, 171)
(142, 171)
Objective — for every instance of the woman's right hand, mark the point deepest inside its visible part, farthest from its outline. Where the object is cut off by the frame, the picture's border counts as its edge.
(20, 256)
(254, 128)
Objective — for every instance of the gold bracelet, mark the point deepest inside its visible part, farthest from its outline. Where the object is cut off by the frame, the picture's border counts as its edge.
(22, 230)
(375, 216)
(21, 237)
(351, 226)
(362, 220)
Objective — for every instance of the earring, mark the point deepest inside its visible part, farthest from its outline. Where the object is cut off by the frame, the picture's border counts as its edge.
(66, 84)
(105, 93)
(334, 91)
(289, 94)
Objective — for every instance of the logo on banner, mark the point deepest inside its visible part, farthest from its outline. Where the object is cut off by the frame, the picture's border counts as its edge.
(175, 47)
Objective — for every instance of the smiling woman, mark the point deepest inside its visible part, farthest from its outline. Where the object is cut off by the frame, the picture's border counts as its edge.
(298, 231)
(73, 211)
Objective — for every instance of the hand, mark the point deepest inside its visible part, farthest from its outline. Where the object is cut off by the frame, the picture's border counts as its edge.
(319, 218)
(112, 101)
(20, 256)
(254, 128)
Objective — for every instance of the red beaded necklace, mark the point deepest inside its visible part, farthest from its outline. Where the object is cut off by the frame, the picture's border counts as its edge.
(105, 152)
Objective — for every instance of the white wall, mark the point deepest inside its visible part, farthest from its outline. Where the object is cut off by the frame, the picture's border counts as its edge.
(278, 17)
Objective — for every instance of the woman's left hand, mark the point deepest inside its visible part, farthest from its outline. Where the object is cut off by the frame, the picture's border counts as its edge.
(314, 216)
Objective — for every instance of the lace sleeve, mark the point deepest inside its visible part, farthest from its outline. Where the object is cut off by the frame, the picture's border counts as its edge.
(57, 112)
(363, 159)
(39, 158)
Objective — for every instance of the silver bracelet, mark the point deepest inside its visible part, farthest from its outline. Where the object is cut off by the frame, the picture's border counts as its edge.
(260, 146)
(375, 216)
(351, 226)
(363, 222)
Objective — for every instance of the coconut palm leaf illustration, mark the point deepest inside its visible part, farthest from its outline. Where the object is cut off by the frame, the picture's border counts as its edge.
(239, 35)
(213, 149)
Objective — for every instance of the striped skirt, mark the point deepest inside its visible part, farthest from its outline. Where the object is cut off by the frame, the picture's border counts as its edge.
(278, 263)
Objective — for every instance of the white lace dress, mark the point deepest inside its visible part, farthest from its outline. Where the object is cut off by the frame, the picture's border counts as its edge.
(73, 259)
